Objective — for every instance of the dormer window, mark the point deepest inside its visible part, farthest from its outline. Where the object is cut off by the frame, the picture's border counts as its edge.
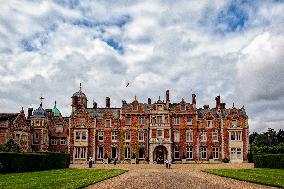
(82, 122)
(135, 107)
(107, 123)
(182, 107)
(209, 123)
(160, 107)
(234, 122)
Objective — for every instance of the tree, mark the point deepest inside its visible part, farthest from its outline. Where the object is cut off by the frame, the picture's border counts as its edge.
(11, 146)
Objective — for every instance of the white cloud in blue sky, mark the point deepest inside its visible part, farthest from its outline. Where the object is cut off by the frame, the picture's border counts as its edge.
(231, 48)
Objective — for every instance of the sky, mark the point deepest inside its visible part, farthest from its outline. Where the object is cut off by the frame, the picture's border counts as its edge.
(229, 48)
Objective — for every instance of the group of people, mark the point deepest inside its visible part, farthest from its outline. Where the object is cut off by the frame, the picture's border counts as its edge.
(168, 163)
(91, 162)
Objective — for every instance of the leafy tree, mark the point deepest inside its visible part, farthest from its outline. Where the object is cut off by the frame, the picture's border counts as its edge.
(10, 146)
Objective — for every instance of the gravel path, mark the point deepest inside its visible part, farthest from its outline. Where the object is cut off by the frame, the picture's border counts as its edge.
(179, 177)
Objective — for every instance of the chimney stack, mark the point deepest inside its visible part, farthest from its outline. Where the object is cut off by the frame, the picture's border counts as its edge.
(107, 102)
(167, 96)
(30, 112)
(193, 100)
(218, 102)
(223, 105)
(149, 100)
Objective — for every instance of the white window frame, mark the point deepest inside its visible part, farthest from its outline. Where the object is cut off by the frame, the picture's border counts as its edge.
(162, 134)
(236, 153)
(176, 136)
(114, 135)
(100, 134)
(141, 120)
(189, 152)
(176, 121)
(203, 152)
(234, 122)
(214, 135)
(236, 136)
(215, 152)
(141, 136)
(77, 133)
(189, 123)
(189, 136)
(106, 125)
(209, 123)
(127, 136)
(128, 121)
(159, 119)
(86, 135)
(160, 107)
(61, 141)
(182, 107)
(204, 136)
(53, 141)
(176, 150)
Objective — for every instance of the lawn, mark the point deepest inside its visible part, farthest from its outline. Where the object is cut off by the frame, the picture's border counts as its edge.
(272, 177)
(60, 178)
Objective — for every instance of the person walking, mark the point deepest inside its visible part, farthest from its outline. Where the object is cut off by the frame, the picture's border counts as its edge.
(167, 163)
(90, 162)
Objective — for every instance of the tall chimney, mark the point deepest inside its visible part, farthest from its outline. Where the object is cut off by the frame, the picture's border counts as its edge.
(218, 102)
(107, 102)
(149, 100)
(223, 105)
(193, 100)
(30, 112)
(167, 96)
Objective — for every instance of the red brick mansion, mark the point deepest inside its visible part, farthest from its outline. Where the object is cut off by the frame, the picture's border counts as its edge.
(152, 131)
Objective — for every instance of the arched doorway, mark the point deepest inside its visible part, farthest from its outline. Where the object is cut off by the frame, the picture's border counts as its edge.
(160, 154)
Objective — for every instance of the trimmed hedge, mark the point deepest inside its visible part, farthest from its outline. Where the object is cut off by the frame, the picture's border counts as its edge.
(22, 162)
(250, 156)
(273, 161)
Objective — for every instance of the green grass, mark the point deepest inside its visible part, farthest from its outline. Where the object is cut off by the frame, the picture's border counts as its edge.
(60, 178)
(271, 177)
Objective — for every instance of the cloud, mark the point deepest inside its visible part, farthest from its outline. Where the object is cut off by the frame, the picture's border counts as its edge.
(231, 48)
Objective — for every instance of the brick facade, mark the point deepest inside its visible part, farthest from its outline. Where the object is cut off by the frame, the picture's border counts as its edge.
(149, 131)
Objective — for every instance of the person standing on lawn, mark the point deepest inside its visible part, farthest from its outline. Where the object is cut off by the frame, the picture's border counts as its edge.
(90, 162)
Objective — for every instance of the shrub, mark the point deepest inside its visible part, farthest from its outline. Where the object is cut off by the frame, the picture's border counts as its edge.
(225, 160)
(22, 162)
(251, 155)
(133, 156)
(273, 161)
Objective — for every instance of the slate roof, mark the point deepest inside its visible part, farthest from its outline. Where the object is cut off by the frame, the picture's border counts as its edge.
(99, 112)
(8, 116)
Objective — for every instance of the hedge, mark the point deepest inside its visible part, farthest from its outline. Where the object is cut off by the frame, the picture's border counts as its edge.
(273, 161)
(22, 162)
(251, 156)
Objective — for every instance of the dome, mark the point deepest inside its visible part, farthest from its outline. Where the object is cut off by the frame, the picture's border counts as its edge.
(55, 110)
(40, 112)
(79, 93)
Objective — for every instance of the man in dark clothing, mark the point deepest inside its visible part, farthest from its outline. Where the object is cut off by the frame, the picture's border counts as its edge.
(90, 162)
